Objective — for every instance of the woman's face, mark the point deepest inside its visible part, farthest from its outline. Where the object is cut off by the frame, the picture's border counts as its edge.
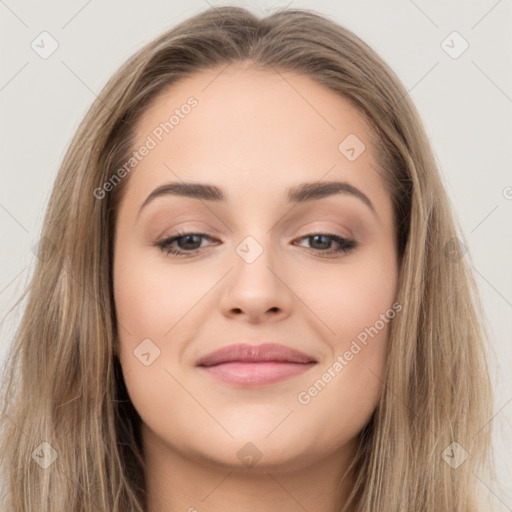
(259, 274)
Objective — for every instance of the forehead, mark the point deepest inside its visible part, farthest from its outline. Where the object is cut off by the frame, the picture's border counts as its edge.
(263, 100)
(253, 130)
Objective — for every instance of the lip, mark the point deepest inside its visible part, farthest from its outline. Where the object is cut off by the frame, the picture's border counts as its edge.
(250, 365)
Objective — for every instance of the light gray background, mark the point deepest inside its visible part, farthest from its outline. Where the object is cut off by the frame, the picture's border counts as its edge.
(465, 103)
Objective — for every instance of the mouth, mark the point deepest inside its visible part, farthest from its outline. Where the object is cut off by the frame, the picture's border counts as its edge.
(255, 373)
(252, 365)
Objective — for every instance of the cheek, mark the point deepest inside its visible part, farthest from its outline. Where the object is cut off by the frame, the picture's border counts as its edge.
(139, 304)
(159, 301)
(351, 298)
(355, 304)
(148, 297)
(347, 385)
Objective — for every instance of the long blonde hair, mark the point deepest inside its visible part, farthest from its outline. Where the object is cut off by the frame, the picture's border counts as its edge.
(64, 386)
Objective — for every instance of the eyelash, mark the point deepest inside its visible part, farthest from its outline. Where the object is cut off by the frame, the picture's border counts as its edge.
(346, 245)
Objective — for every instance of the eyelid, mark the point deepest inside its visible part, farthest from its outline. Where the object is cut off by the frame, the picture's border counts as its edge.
(345, 244)
(183, 231)
(338, 230)
(308, 229)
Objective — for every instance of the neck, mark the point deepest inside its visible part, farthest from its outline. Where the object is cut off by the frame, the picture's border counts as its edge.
(179, 482)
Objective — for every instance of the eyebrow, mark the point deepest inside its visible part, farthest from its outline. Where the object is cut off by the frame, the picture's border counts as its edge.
(297, 194)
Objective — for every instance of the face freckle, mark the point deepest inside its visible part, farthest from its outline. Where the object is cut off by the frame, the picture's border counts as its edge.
(259, 274)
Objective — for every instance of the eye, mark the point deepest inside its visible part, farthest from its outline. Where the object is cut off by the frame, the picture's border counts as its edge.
(186, 243)
(322, 243)
(183, 243)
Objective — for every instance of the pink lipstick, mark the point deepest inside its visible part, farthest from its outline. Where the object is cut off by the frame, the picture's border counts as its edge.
(251, 365)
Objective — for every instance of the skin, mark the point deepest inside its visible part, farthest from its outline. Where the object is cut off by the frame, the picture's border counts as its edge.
(253, 135)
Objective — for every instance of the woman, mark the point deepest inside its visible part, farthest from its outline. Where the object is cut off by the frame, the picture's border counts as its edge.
(255, 369)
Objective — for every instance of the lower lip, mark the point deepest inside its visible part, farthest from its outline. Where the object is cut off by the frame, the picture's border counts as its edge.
(256, 373)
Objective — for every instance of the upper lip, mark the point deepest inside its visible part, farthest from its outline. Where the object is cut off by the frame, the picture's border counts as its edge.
(243, 352)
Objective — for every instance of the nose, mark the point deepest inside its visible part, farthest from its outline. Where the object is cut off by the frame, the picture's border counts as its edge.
(258, 288)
